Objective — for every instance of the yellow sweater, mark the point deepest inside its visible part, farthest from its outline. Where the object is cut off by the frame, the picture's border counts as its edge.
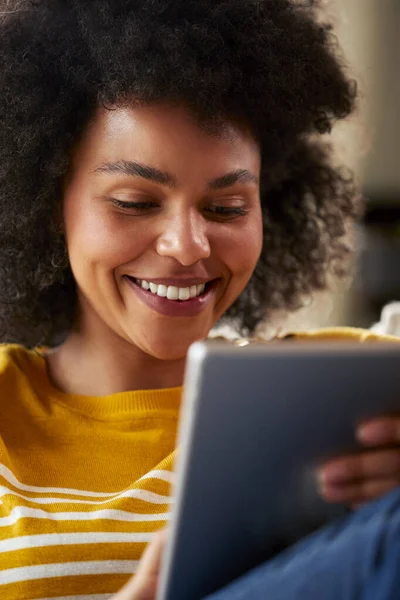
(84, 481)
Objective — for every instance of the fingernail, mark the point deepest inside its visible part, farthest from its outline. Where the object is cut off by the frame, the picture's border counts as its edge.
(335, 473)
(330, 490)
(372, 433)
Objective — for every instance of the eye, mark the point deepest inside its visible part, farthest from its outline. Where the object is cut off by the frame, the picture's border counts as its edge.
(225, 213)
(136, 208)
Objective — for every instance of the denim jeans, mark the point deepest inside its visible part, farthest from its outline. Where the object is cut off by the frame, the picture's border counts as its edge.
(356, 558)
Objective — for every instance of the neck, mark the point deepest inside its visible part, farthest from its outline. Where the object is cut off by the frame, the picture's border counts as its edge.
(102, 363)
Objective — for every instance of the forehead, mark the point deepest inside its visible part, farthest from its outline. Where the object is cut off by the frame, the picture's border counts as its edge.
(162, 135)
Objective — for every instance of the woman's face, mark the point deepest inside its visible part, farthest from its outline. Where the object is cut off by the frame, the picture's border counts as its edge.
(163, 225)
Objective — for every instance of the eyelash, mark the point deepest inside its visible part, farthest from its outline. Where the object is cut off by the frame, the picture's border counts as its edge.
(218, 211)
(228, 211)
(138, 206)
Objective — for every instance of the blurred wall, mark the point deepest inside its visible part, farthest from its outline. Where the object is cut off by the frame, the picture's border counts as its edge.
(369, 142)
(381, 169)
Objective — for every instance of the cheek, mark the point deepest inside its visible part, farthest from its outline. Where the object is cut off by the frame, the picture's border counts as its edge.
(245, 247)
(95, 238)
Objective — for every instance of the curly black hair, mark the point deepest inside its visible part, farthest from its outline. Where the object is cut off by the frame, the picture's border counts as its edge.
(271, 63)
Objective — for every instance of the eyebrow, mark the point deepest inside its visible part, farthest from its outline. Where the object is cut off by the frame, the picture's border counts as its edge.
(238, 176)
(135, 169)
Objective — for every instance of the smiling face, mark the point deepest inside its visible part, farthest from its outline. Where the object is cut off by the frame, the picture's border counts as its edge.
(163, 226)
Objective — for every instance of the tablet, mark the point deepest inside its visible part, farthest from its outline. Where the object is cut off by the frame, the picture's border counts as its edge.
(255, 423)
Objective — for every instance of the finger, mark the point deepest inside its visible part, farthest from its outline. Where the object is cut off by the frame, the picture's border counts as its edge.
(151, 560)
(143, 586)
(385, 430)
(374, 464)
(360, 492)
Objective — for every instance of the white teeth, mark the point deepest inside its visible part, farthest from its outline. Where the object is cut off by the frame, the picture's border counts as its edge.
(172, 292)
(184, 293)
(162, 291)
(153, 288)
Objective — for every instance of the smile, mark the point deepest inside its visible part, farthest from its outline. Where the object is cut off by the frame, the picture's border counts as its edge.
(172, 292)
(173, 300)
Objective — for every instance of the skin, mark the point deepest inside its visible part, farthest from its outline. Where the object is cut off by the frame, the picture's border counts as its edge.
(144, 585)
(362, 477)
(118, 343)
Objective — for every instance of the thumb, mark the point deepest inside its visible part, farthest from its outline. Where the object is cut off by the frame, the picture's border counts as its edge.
(151, 561)
(143, 586)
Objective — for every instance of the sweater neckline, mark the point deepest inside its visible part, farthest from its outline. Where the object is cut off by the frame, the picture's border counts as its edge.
(121, 404)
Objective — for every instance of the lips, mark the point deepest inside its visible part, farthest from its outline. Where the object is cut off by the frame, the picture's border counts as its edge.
(174, 300)
(181, 293)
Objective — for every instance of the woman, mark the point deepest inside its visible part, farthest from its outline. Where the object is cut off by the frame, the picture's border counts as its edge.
(161, 168)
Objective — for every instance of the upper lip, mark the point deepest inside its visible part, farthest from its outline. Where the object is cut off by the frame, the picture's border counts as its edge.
(175, 281)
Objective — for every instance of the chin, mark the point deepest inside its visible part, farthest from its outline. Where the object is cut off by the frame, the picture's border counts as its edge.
(172, 347)
(169, 352)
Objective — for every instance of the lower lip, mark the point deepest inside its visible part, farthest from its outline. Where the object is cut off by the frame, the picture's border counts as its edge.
(175, 308)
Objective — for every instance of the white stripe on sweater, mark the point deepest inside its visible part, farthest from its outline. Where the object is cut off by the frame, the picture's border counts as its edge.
(143, 495)
(168, 476)
(67, 539)
(23, 512)
(49, 571)
(80, 597)
(10, 478)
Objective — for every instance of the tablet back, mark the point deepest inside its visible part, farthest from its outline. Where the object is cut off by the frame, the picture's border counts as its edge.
(255, 423)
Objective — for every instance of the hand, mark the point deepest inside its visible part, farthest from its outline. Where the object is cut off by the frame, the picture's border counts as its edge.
(367, 475)
(143, 586)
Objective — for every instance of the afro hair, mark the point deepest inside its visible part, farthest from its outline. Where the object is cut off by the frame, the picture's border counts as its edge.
(272, 63)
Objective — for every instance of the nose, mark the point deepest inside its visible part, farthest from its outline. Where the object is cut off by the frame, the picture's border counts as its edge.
(184, 238)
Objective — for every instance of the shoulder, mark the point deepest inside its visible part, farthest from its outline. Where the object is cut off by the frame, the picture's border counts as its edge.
(15, 370)
(342, 334)
(12, 357)
(17, 395)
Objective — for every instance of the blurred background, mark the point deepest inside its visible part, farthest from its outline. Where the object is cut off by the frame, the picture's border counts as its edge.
(368, 32)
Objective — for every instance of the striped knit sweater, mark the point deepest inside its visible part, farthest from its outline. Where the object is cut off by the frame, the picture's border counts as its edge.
(84, 481)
